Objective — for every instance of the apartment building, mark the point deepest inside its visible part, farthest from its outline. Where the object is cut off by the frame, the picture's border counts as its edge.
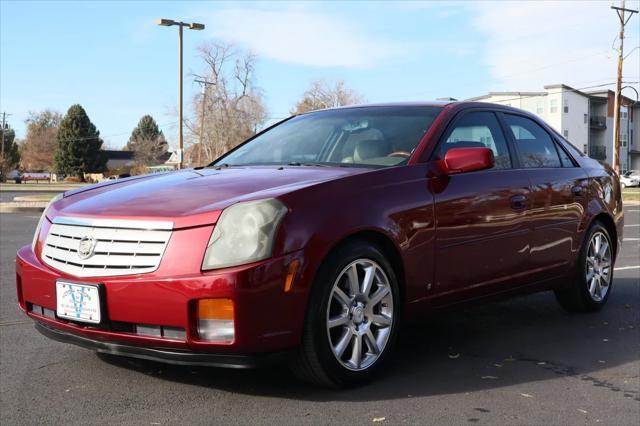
(584, 118)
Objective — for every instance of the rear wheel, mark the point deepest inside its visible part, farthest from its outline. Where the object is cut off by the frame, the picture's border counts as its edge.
(591, 286)
(352, 318)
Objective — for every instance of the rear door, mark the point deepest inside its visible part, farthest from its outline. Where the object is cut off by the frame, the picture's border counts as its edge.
(559, 195)
(482, 232)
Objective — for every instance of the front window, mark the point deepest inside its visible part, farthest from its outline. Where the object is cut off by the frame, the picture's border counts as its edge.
(478, 130)
(350, 137)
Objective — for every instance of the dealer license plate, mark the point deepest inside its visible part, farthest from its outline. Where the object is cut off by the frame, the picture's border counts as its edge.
(78, 302)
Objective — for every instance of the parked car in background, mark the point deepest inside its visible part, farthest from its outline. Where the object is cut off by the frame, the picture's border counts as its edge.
(316, 238)
(634, 175)
(33, 177)
(628, 180)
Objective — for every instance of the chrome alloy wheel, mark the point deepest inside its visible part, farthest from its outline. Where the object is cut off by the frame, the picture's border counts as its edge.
(360, 314)
(598, 266)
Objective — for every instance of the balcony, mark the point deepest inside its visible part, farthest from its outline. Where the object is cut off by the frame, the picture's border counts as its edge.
(598, 152)
(598, 122)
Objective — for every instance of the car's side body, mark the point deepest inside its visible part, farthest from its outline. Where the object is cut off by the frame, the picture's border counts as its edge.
(450, 238)
(426, 223)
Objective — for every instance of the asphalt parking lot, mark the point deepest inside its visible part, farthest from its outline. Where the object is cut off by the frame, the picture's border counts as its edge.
(523, 361)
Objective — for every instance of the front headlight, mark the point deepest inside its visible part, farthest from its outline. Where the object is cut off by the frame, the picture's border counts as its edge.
(244, 234)
(42, 218)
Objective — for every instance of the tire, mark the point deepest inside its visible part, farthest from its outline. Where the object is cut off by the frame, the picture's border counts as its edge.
(587, 294)
(623, 185)
(336, 323)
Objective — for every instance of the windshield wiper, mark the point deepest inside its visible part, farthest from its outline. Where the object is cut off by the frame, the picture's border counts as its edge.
(297, 163)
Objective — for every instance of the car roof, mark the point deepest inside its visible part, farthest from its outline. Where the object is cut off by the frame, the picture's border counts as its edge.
(457, 104)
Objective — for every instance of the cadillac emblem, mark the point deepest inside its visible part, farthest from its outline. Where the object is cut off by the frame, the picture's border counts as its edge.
(86, 247)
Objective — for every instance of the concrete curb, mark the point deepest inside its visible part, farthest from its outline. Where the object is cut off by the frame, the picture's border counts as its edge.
(22, 207)
(39, 188)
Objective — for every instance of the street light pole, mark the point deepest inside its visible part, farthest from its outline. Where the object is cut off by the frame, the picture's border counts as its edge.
(180, 25)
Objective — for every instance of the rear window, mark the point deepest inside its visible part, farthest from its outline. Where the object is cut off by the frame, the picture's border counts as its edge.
(534, 145)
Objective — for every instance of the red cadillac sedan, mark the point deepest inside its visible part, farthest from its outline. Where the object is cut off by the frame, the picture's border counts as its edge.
(313, 240)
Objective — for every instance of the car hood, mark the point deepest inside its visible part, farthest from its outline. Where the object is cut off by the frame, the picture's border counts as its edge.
(189, 197)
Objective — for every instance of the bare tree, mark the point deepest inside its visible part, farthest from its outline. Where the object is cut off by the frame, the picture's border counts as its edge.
(40, 143)
(326, 95)
(232, 106)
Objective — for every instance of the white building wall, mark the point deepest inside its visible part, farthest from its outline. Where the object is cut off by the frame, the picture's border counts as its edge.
(575, 123)
(554, 108)
(550, 107)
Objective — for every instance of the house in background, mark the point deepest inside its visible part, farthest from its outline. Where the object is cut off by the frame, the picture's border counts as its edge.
(584, 118)
(117, 160)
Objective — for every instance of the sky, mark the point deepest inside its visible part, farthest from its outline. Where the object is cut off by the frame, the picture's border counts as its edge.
(110, 57)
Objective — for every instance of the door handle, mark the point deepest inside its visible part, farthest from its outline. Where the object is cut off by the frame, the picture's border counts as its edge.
(518, 202)
(577, 191)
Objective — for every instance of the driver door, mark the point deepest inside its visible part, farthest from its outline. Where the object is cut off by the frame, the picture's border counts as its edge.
(483, 233)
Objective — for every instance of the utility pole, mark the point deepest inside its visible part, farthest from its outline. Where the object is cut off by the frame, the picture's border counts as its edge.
(180, 25)
(618, 100)
(204, 84)
(4, 125)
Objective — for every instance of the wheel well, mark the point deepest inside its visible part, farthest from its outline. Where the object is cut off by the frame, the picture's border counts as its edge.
(388, 248)
(608, 223)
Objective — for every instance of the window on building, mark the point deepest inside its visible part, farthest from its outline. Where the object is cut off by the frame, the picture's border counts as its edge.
(539, 107)
(534, 145)
(565, 133)
(623, 139)
(566, 106)
(624, 115)
(585, 148)
(553, 106)
(586, 118)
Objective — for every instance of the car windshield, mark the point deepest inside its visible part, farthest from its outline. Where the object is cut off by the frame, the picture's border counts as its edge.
(351, 137)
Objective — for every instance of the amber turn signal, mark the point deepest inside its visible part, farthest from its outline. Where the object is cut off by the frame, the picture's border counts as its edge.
(216, 309)
(291, 275)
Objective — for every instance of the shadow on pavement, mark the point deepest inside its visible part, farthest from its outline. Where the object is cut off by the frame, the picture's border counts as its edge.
(501, 344)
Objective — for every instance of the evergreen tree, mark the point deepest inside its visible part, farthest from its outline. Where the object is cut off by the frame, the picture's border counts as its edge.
(10, 153)
(78, 145)
(147, 142)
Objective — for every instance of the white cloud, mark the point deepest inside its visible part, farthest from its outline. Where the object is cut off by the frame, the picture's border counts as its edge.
(304, 36)
(530, 44)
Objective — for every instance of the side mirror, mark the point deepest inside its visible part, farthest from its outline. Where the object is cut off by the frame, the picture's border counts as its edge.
(462, 160)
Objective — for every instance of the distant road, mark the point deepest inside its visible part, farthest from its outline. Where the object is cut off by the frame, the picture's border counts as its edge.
(39, 187)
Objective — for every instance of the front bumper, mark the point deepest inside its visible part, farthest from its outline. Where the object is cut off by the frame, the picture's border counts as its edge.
(266, 318)
(169, 356)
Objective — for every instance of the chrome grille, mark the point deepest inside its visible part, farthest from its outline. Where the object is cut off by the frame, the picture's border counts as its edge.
(122, 247)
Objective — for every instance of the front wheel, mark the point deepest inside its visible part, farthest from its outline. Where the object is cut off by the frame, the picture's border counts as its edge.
(623, 185)
(352, 318)
(591, 286)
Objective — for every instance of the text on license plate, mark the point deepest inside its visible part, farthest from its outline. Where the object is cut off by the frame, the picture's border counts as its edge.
(78, 302)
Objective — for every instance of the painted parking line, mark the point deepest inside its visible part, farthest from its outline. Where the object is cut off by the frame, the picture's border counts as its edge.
(633, 211)
(630, 226)
(631, 239)
(624, 268)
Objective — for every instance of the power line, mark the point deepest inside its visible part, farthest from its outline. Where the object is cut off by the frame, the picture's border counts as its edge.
(170, 125)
